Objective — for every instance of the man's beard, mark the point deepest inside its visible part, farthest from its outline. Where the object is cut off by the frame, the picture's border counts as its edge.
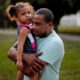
(43, 35)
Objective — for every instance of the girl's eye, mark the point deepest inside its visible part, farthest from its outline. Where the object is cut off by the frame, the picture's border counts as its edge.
(23, 13)
(29, 12)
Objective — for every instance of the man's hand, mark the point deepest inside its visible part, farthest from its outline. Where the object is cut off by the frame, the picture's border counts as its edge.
(30, 58)
(27, 70)
(36, 65)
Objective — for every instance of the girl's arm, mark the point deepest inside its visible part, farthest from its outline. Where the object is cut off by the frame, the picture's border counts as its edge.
(15, 43)
(21, 40)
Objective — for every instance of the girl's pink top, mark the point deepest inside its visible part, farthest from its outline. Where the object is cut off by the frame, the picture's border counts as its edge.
(33, 43)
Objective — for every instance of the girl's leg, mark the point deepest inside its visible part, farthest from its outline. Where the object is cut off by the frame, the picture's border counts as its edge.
(20, 76)
(35, 77)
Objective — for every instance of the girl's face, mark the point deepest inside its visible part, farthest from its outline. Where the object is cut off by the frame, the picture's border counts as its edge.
(24, 15)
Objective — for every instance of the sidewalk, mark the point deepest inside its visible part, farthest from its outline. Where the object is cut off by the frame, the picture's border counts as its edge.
(8, 32)
(70, 37)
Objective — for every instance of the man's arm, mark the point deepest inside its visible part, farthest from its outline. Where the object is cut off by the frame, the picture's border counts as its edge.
(29, 59)
(34, 62)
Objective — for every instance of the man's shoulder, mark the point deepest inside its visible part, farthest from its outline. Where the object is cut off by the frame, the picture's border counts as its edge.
(54, 37)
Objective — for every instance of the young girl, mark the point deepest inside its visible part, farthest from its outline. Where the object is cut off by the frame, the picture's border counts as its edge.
(22, 13)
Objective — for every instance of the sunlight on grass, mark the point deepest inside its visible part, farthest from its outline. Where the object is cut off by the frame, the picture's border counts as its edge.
(69, 29)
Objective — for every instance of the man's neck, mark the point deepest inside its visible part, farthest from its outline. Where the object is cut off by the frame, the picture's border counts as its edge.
(46, 34)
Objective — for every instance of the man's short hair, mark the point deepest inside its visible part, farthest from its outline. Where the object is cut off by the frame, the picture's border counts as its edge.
(48, 15)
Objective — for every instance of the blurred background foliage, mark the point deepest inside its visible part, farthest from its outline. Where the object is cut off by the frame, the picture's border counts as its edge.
(58, 7)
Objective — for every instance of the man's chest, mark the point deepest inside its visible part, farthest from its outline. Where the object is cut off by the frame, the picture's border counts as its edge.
(41, 43)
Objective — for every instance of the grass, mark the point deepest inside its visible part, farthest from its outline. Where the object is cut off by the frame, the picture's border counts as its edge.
(7, 68)
(69, 29)
(70, 67)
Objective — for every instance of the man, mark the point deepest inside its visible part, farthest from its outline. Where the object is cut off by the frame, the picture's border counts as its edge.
(49, 43)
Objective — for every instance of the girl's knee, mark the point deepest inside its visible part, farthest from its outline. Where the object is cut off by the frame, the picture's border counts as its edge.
(12, 54)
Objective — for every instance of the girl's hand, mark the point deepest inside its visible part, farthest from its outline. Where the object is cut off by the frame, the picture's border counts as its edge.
(19, 65)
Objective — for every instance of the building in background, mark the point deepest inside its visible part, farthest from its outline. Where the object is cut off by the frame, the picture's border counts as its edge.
(71, 20)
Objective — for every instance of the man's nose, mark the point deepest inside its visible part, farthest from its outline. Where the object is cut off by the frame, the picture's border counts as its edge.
(33, 26)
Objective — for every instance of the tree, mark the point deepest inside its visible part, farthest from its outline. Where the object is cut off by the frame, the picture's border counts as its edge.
(3, 5)
(58, 7)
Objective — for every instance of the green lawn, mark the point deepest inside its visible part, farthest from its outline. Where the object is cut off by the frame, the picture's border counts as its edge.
(70, 67)
(7, 68)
